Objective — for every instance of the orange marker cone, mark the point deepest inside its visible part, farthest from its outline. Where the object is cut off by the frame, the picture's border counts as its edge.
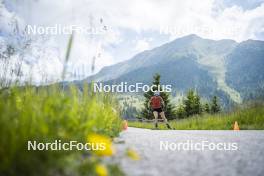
(125, 125)
(236, 127)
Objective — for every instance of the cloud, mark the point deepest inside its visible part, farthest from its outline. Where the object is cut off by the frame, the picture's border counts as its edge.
(208, 18)
(136, 20)
(142, 45)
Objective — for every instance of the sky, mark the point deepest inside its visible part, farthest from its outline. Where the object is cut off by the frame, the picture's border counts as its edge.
(129, 27)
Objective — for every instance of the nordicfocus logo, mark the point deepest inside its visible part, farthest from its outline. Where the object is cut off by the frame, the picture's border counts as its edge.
(59, 29)
(67, 146)
(125, 87)
(198, 146)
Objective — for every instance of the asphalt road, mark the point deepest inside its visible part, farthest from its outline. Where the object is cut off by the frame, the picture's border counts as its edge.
(243, 153)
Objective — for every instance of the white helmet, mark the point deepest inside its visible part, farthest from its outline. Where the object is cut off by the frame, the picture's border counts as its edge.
(156, 93)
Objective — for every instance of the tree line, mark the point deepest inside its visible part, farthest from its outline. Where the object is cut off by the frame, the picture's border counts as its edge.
(191, 104)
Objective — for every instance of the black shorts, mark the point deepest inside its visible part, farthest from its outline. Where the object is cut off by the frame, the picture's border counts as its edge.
(159, 110)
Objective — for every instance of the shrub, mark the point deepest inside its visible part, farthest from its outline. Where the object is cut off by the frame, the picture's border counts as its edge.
(46, 114)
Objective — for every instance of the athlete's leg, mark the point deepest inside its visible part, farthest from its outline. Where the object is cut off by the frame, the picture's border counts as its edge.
(156, 115)
(162, 114)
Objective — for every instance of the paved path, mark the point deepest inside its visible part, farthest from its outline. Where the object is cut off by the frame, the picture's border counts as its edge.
(247, 160)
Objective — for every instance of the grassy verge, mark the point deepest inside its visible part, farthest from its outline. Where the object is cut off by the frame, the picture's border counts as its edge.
(251, 118)
(49, 114)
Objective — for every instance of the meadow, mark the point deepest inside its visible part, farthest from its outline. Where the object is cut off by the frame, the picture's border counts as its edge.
(250, 117)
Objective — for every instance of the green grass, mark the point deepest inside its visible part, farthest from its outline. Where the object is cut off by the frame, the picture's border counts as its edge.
(251, 118)
(47, 114)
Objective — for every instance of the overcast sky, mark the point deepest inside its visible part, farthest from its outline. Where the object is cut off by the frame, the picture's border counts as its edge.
(133, 26)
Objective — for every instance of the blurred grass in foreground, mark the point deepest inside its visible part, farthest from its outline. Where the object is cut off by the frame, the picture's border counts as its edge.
(250, 118)
(46, 114)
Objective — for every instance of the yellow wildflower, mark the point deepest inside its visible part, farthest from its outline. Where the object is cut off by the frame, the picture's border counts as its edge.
(105, 144)
(101, 170)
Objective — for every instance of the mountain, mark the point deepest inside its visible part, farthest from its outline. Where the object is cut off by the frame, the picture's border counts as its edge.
(234, 71)
(245, 69)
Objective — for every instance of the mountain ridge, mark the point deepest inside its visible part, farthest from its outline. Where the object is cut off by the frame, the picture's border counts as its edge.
(212, 65)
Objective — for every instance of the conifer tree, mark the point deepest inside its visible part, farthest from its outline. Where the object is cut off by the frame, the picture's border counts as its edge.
(181, 112)
(215, 107)
(206, 108)
(197, 104)
(192, 104)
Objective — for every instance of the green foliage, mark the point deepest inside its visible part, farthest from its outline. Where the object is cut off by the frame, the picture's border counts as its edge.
(67, 57)
(46, 114)
(192, 104)
(168, 109)
(206, 108)
(215, 107)
(129, 111)
(249, 118)
(181, 113)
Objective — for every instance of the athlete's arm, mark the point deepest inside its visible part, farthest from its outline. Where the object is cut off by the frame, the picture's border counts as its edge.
(149, 102)
(162, 102)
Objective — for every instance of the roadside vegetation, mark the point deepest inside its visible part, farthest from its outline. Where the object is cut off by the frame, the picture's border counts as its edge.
(193, 113)
(250, 117)
(56, 112)
(48, 114)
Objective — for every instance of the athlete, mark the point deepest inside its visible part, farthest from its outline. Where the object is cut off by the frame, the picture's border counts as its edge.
(157, 104)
